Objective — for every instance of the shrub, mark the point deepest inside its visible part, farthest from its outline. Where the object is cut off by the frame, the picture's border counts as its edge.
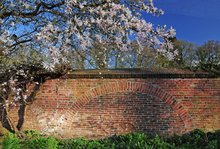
(72, 143)
(40, 143)
(136, 141)
(133, 140)
(196, 139)
(11, 141)
(32, 140)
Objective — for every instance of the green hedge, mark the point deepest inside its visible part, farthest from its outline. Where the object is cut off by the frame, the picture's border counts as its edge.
(197, 139)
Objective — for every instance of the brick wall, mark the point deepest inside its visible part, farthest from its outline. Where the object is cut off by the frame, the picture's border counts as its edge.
(96, 104)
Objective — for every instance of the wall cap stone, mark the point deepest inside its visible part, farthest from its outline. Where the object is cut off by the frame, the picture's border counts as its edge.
(137, 73)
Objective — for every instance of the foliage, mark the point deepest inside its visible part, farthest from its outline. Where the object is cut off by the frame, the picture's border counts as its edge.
(190, 56)
(137, 141)
(209, 56)
(196, 139)
(40, 142)
(185, 57)
(11, 142)
(32, 140)
(74, 143)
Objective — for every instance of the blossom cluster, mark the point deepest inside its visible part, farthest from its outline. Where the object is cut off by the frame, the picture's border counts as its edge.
(5, 41)
(107, 22)
(84, 23)
(14, 87)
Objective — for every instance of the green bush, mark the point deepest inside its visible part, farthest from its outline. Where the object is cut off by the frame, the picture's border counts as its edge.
(133, 140)
(40, 143)
(212, 144)
(72, 143)
(136, 141)
(196, 139)
(11, 141)
(32, 140)
(159, 143)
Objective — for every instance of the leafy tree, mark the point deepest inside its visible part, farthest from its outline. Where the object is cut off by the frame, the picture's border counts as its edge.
(190, 56)
(185, 57)
(136, 57)
(208, 56)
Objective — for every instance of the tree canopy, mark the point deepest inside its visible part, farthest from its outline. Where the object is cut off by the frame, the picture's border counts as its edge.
(60, 28)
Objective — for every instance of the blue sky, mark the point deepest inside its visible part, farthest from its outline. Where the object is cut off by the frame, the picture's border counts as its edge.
(195, 21)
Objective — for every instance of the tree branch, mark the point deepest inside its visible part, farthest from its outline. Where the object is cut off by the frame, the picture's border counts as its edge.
(30, 14)
(19, 42)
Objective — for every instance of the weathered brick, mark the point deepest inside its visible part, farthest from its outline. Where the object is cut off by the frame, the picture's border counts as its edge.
(102, 107)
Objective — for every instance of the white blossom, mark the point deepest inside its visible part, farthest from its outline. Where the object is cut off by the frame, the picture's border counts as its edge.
(109, 23)
(172, 32)
(48, 66)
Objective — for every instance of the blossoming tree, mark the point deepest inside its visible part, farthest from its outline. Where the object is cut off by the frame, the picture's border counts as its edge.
(56, 29)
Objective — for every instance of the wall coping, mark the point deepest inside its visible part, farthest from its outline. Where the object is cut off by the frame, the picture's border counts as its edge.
(137, 73)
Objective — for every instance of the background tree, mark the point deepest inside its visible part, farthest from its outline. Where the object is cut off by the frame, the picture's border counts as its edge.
(205, 57)
(135, 57)
(185, 57)
(208, 56)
